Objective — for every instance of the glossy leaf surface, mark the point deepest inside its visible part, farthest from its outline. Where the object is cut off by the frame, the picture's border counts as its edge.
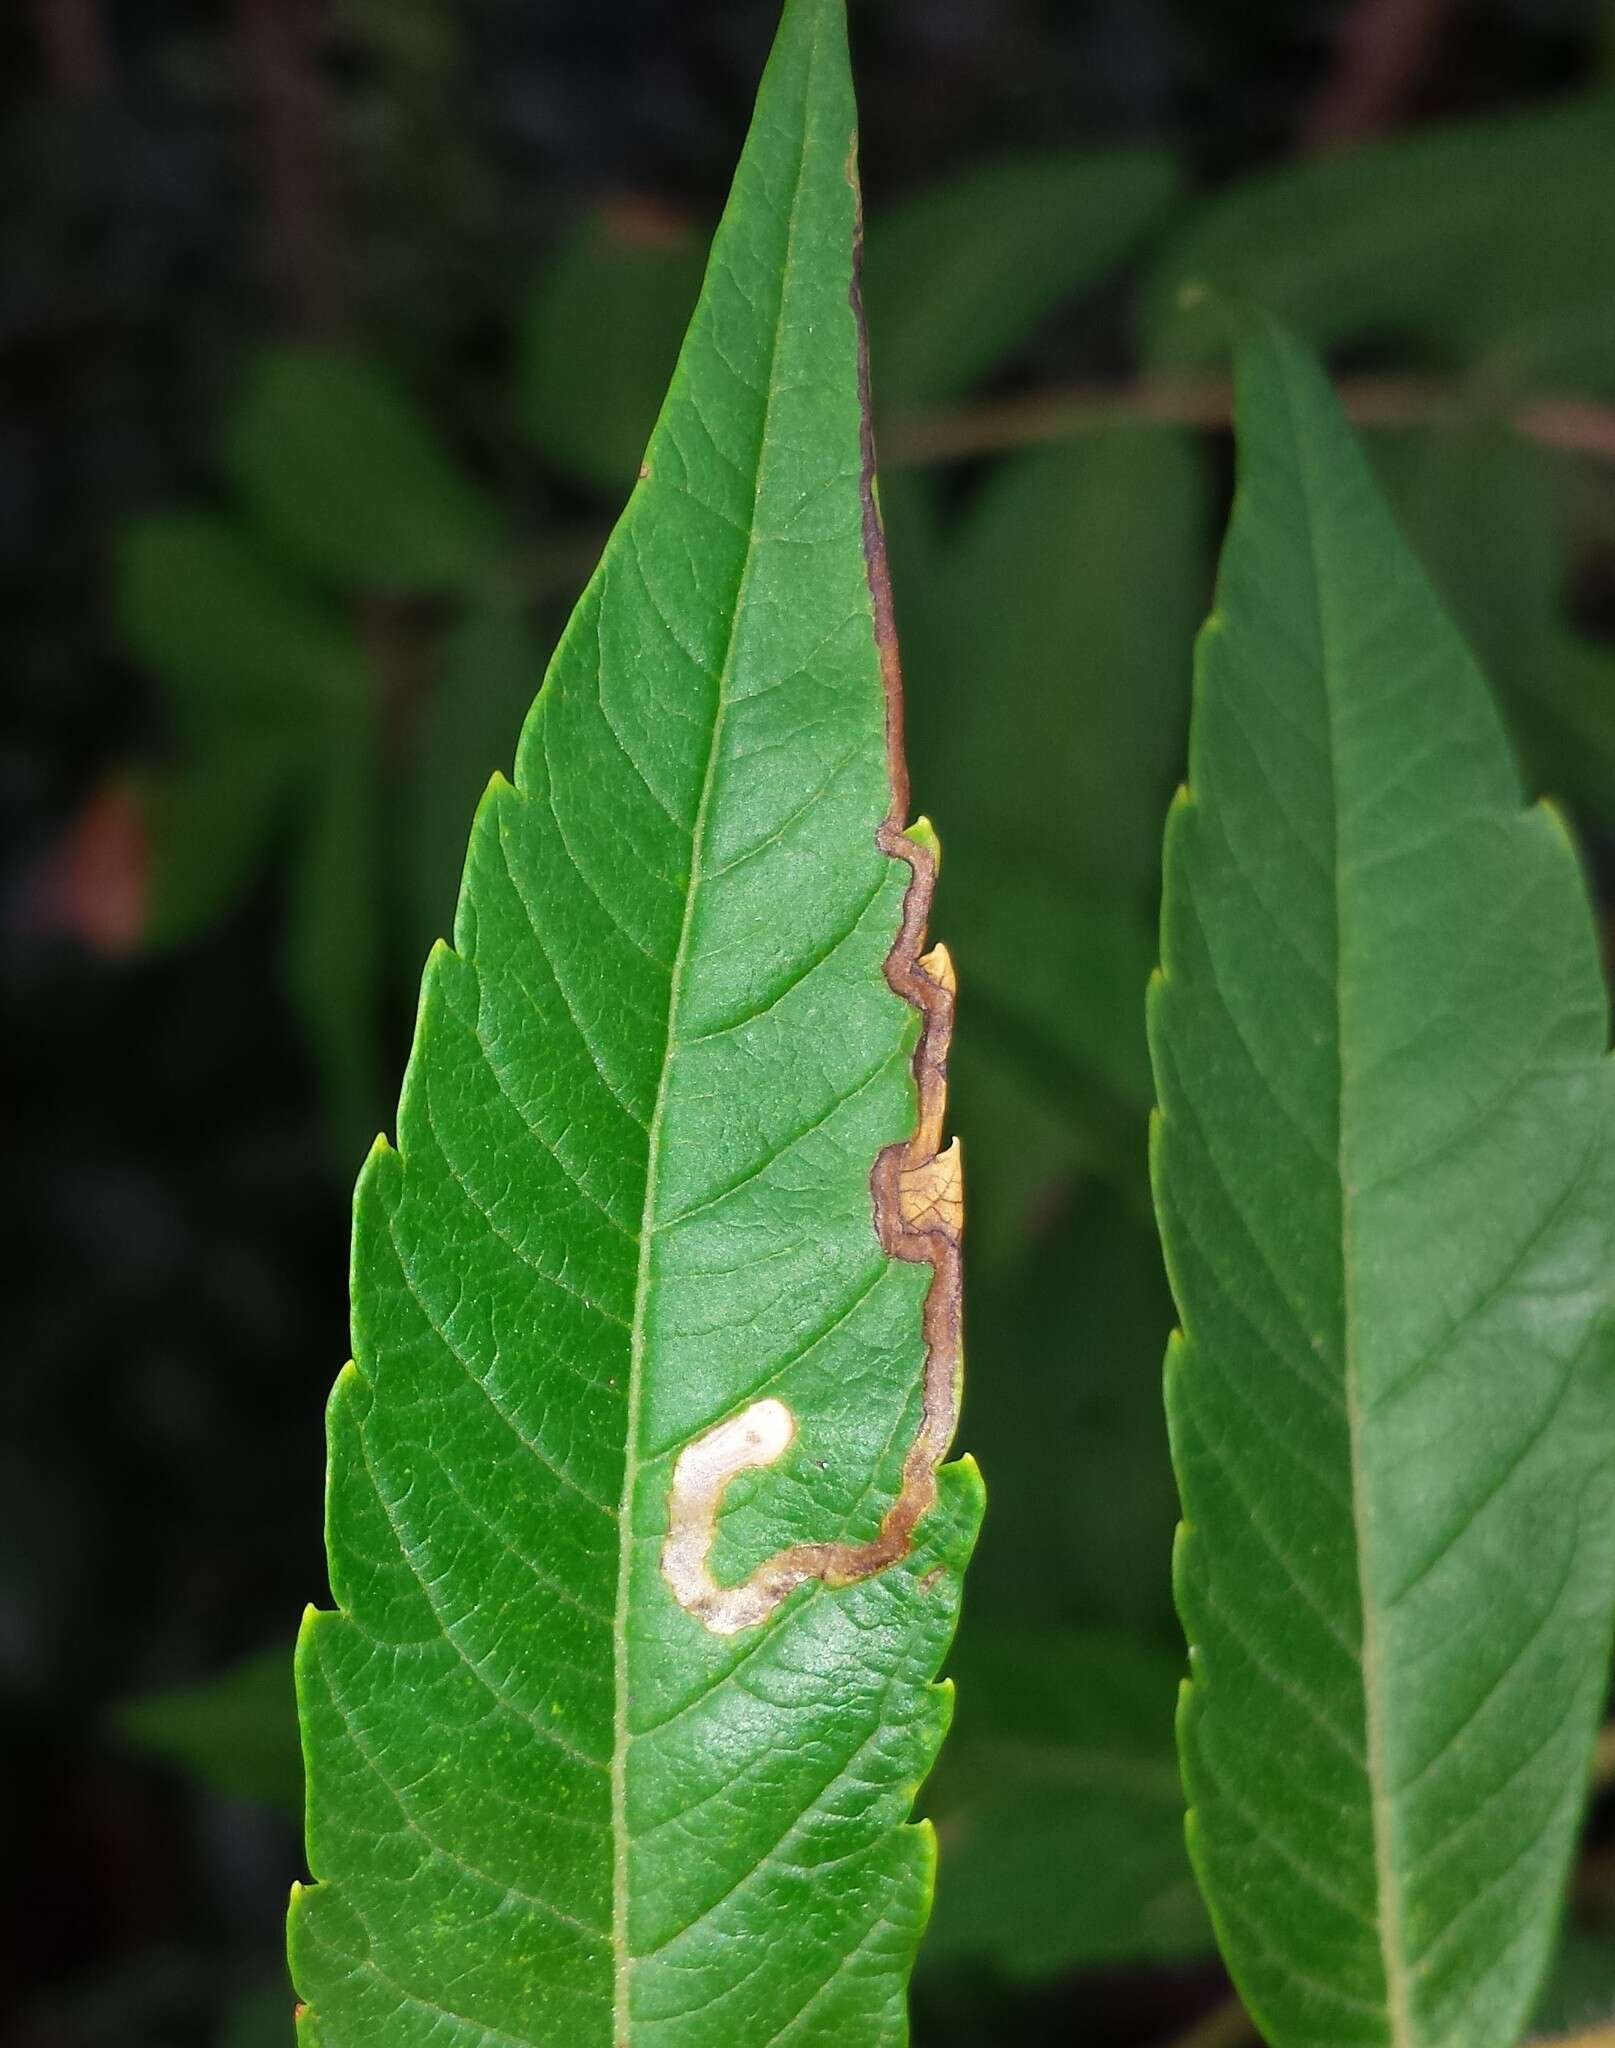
(666, 1211)
(1384, 1177)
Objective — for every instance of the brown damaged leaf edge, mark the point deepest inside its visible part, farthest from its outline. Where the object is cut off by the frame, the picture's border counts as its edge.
(917, 1188)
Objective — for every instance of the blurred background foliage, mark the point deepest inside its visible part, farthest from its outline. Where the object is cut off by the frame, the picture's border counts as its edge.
(332, 333)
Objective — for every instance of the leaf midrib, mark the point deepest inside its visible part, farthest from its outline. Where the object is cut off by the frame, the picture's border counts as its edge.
(1387, 1920)
(621, 1954)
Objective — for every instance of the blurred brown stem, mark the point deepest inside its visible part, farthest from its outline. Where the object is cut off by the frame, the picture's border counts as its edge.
(73, 43)
(281, 78)
(1580, 426)
(1384, 45)
(1228, 2026)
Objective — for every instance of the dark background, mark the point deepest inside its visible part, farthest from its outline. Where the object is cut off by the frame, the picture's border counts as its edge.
(184, 184)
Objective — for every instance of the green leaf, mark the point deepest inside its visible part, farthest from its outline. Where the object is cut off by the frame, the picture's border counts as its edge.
(1449, 239)
(955, 278)
(1580, 1986)
(349, 480)
(488, 667)
(271, 695)
(960, 273)
(1483, 507)
(1384, 1176)
(236, 1732)
(600, 337)
(1057, 1800)
(208, 825)
(1050, 638)
(333, 954)
(1560, 347)
(664, 1186)
(1058, 1807)
(1065, 1413)
(260, 2019)
(242, 647)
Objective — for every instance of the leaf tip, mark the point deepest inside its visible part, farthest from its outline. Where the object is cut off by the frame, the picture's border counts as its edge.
(1174, 1368)
(1156, 1134)
(1556, 820)
(1174, 1372)
(924, 833)
(961, 1477)
(938, 964)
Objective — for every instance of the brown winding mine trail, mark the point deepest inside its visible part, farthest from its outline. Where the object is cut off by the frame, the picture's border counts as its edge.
(918, 1192)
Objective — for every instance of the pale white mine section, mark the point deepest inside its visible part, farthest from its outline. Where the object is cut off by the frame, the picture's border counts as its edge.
(756, 1437)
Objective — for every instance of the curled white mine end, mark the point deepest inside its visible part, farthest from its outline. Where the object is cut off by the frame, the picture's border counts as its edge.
(754, 1438)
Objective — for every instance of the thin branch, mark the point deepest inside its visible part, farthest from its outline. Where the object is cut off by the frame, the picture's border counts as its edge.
(73, 42)
(1228, 2026)
(1580, 426)
(281, 80)
(1603, 1775)
(1384, 45)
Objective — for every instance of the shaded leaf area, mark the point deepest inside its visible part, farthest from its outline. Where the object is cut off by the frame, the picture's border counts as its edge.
(1059, 1807)
(1478, 250)
(1390, 1247)
(1065, 1399)
(344, 478)
(631, 1195)
(482, 688)
(1457, 240)
(957, 277)
(275, 699)
(1058, 1801)
(1052, 622)
(258, 2020)
(1492, 518)
(238, 1732)
(1579, 1990)
(600, 334)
